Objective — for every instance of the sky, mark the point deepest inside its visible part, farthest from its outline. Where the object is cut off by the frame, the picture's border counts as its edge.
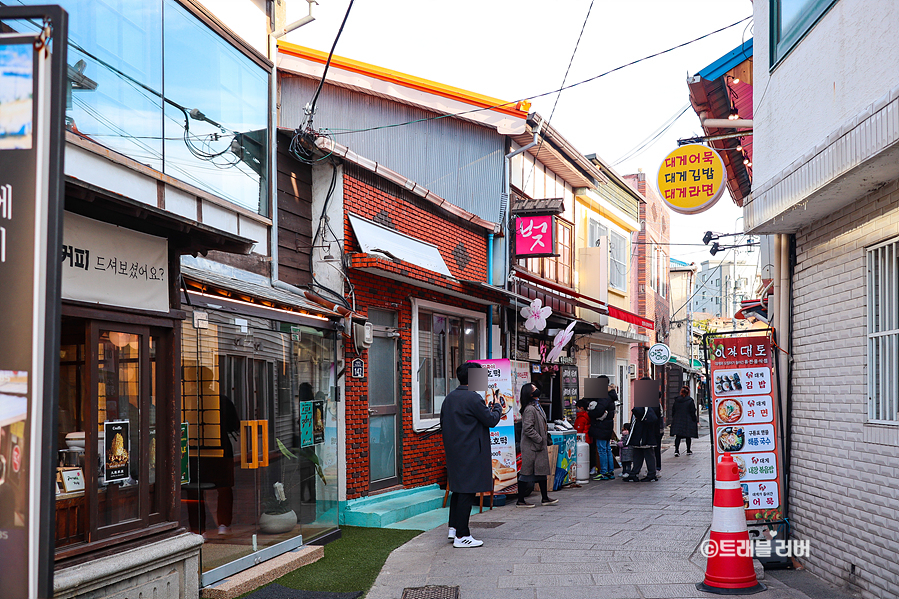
(517, 49)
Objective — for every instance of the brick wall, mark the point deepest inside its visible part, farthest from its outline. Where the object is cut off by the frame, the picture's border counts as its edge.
(843, 492)
(421, 460)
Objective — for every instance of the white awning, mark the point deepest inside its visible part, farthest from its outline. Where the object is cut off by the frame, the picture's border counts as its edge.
(377, 239)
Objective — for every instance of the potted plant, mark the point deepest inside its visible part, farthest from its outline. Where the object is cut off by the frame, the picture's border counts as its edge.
(277, 516)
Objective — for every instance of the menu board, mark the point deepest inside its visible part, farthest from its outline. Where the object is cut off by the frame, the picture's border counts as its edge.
(502, 436)
(744, 413)
(569, 383)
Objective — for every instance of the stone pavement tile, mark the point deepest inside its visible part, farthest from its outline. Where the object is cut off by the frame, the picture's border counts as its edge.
(598, 592)
(569, 555)
(480, 583)
(549, 546)
(676, 591)
(597, 567)
(658, 565)
(545, 581)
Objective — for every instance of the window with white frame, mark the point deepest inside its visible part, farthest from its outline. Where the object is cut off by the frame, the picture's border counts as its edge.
(443, 338)
(883, 331)
(618, 251)
(602, 362)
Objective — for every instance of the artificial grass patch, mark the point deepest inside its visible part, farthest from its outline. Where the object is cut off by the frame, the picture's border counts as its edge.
(352, 563)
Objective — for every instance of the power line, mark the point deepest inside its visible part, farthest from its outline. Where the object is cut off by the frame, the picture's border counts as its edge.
(310, 111)
(559, 95)
(649, 141)
(534, 97)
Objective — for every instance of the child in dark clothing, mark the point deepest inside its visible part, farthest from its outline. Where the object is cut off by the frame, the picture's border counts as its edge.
(625, 452)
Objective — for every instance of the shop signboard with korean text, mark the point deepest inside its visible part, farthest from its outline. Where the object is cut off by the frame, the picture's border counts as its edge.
(535, 236)
(502, 436)
(691, 179)
(110, 265)
(31, 120)
(745, 419)
(569, 388)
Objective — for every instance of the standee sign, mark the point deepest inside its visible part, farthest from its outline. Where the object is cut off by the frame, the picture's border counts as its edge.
(31, 163)
(744, 419)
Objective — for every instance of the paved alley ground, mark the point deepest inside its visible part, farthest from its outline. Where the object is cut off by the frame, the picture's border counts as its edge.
(606, 539)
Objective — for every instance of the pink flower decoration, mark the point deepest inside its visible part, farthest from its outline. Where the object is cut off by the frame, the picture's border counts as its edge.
(561, 340)
(535, 315)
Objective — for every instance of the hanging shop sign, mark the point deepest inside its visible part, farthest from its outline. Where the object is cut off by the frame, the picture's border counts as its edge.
(744, 419)
(31, 166)
(502, 436)
(106, 264)
(691, 179)
(535, 236)
(659, 354)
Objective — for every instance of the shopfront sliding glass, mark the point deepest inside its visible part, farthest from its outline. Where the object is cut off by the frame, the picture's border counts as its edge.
(148, 80)
(258, 397)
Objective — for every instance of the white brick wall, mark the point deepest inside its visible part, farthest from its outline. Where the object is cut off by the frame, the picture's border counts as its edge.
(843, 492)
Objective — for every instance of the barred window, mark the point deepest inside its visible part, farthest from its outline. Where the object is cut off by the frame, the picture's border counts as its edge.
(883, 331)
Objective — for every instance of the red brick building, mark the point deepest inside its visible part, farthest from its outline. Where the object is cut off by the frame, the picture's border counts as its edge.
(425, 324)
(649, 289)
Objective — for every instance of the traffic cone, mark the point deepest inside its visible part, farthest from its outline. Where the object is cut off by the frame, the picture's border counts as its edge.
(729, 570)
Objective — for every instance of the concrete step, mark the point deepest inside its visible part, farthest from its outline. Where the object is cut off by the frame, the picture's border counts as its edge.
(383, 510)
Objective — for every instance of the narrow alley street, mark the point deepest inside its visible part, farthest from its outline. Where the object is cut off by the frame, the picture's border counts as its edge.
(607, 539)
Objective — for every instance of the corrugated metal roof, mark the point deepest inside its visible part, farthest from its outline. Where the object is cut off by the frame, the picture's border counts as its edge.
(458, 160)
(252, 290)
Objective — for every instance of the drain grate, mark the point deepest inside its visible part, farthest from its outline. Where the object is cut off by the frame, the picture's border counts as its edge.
(431, 592)
(474, 524)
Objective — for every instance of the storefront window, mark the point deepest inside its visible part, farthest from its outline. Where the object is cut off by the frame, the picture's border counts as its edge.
(444, 342)
(258, 397)
(106, 475)
(148, 80)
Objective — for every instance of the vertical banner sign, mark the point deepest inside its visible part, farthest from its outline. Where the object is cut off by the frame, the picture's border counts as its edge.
(185, 454)
(502, 436)
(521, 376)
(318, 421)
(306, 437)
(29, 297)
(745, 405)
(569, 391)
(117, 450)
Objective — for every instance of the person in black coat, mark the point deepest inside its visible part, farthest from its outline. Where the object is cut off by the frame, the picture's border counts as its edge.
(684, 421)
(465, 421)
(643, 439)
(602, 426)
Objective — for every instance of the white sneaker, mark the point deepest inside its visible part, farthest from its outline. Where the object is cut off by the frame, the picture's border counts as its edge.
(451, 534)
(224, 530)
(468, 541)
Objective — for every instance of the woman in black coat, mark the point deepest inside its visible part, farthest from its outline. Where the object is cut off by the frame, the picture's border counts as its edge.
(684, 421)
(535, 466)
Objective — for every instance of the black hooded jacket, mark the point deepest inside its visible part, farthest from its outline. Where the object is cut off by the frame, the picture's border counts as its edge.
(644, 428)
(602, 416)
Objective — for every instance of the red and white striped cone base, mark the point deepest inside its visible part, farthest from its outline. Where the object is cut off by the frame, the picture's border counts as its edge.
(729, 569)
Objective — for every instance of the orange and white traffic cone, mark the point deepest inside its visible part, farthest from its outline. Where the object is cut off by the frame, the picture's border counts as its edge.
(729, 570)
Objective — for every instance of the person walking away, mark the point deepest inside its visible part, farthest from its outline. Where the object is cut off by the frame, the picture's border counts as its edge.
(643, 438)
(465, 422)
(684, 421)
(625, 451)
(582, 426)
(535, 466)
(602, 425)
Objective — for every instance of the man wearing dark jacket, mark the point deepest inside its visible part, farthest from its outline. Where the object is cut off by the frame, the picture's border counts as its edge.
(643, 439)
(602, 425)
(465, 422)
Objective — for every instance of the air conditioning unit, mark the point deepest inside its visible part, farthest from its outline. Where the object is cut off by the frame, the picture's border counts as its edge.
(632, 371)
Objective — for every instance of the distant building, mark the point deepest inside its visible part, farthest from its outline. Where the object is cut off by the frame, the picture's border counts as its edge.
(722, 284)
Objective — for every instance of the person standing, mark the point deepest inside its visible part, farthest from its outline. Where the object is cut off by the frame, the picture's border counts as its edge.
(465, 421)
(684, 421)
(643, 438)
(602, 425)
(582, 426)
(535, 467)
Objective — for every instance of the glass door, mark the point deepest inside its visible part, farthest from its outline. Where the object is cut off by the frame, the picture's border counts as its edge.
(383, 401)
